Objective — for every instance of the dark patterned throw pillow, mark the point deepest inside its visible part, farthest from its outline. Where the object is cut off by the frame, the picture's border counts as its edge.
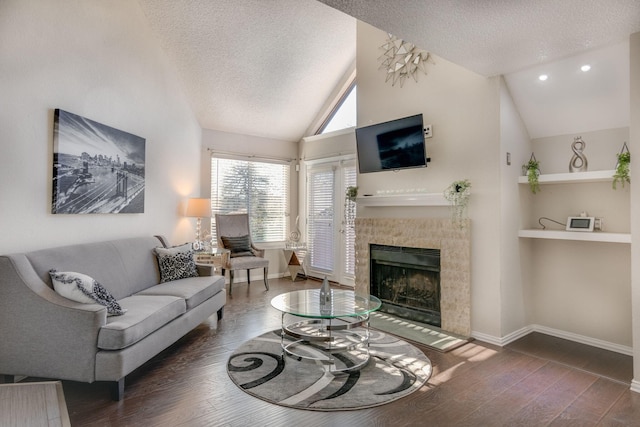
(176, 264)
(82, 288)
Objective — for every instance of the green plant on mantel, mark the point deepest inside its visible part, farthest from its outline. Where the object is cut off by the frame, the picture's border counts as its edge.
(532, 170)
(622, 168)
(458, 194)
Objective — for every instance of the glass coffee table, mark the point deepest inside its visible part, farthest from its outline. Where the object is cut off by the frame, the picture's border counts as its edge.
(334, 332)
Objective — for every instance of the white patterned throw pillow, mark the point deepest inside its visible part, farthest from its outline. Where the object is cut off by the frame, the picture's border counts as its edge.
(85, 289)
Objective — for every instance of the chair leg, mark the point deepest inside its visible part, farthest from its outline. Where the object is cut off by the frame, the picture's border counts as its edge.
(266, 275)
(230, 281)
(248, 277)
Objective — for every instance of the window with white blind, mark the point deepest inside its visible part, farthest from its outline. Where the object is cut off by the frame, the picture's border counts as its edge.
(258, 188)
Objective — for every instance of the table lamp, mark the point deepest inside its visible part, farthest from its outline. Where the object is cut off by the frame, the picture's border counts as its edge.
(199, 208)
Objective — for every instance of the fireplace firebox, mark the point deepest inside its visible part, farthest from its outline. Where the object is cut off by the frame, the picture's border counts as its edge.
(407, 281)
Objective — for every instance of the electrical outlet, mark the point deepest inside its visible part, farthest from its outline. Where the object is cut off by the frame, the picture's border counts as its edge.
(428, 131)
(598, 224)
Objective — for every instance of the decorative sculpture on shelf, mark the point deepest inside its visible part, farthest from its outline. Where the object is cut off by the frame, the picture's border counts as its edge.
(578, 162)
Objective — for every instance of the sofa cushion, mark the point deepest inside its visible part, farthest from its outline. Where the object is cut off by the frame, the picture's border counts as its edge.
(145, 314)
(193, 290)
(85, 289)
(176, 263)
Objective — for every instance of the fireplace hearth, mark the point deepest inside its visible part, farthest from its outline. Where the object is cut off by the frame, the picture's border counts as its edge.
(407, 281)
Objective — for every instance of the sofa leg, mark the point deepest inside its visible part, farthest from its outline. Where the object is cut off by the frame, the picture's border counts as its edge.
(220, 313)
(117, 390)
(266, 275)
(230, 281)
(9, 379)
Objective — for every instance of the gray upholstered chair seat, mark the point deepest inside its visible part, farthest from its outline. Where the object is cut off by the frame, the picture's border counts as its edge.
(247, 262)
(145, 315)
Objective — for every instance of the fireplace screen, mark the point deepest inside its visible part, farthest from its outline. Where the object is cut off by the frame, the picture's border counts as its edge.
(407, 281)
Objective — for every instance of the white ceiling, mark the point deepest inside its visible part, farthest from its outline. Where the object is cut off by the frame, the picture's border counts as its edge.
(267, 68)
(255, 67)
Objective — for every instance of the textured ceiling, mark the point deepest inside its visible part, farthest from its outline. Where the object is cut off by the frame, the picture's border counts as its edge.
(255, 67)
(494, 37)
(267, 67)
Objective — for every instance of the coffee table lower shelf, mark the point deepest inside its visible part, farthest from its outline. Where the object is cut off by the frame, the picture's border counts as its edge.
(341, 343)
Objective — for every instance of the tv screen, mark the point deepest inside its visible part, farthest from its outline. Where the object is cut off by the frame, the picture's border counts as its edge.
(393, 145)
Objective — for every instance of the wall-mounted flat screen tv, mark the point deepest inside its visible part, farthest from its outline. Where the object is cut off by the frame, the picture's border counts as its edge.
(393, 145)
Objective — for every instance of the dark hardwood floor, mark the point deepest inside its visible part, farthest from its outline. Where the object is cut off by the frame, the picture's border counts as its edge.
(536, 381)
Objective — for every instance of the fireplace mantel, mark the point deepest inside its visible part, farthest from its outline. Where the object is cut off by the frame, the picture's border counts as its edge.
(454, 243)
(404, 199)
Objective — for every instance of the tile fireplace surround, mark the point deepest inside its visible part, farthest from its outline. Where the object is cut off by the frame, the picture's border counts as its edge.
(454, 243)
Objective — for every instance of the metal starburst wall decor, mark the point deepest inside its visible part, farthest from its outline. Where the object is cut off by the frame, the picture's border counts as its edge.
(402, 60)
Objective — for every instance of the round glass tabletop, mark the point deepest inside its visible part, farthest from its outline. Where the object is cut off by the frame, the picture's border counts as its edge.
(306, 303)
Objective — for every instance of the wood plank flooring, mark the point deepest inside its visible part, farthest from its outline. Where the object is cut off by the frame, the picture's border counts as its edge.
(536, 381)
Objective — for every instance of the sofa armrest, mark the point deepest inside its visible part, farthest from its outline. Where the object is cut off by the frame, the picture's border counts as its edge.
(42, 333)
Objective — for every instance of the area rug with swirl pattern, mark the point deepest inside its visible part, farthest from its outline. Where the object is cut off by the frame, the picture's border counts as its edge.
(395, 369)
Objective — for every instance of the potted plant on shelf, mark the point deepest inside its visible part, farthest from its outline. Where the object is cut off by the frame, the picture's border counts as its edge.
(532, 171)
(458, 194)
(622, 167)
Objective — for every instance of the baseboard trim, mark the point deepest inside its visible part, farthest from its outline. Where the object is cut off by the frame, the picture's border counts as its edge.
(594, 342)
(635, 386)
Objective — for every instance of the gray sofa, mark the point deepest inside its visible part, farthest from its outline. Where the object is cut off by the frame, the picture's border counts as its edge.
(43, 334)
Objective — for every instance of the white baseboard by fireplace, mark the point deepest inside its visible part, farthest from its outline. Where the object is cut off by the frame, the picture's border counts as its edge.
(509, 338)
(635, 386)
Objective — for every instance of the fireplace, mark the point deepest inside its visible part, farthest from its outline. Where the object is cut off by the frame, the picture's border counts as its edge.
(452, 240)
(407, 281)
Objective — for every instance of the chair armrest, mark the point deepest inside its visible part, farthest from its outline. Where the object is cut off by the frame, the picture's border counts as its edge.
(257, 252)
(42, 333)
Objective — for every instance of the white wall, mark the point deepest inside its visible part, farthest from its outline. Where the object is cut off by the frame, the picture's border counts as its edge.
(514, 254)
(226, 143)
(634, 147)
(463, 109)
(98, 60)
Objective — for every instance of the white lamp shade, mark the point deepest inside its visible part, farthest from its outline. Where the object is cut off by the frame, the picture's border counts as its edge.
(199, 208)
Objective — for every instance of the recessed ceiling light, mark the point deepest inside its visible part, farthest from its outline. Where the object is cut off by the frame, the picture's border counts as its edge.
(543, 77)
(585, 67)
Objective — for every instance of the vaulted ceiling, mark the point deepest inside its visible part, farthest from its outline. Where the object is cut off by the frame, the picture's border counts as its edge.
(267, 68)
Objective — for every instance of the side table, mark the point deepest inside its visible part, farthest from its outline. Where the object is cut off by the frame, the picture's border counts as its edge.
(217, 257)
(294, 257)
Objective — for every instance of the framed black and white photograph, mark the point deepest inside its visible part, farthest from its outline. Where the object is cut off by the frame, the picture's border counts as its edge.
(96, 168)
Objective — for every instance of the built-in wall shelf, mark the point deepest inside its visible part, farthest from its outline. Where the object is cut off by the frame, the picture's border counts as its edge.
(406, 199)
(595, 236)
(575, 177)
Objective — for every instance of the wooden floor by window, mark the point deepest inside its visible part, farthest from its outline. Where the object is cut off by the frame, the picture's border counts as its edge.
(536, 381)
